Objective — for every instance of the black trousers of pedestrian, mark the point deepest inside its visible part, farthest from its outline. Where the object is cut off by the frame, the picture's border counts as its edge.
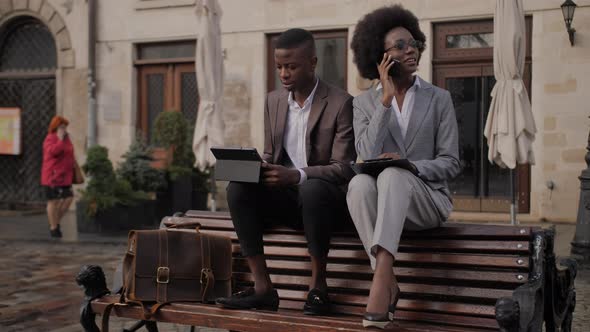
(316, 205)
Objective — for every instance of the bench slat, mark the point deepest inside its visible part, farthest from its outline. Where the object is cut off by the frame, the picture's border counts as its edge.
(472, 310)
(438, 319)
(466, 246)
(411, 318)
(284, 320)
(209, 315)
(448, 230)
(503, 280)
(417, 290)
(406, 245)
(480, 261)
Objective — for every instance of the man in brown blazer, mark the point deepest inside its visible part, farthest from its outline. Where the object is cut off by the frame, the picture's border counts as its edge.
(308, 147)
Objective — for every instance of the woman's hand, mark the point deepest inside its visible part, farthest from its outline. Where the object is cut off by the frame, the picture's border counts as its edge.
(61, 133)
(391, 155)
(386, 80)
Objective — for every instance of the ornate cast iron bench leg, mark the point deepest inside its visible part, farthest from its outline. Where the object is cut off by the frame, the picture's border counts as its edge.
(560, 292)
(92, 279)
(524, 310)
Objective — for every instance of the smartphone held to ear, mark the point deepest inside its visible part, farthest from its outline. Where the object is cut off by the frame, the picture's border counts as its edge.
(395, 69)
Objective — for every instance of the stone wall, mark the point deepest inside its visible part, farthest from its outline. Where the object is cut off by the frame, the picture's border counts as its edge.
(561, 80)
(560, 73)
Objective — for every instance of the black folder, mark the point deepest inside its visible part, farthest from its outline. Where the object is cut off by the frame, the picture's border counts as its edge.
(237, 164)
(375, 166)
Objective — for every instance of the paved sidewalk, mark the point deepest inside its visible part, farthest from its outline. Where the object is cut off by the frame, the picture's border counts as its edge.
(36, 228)
(38, 291)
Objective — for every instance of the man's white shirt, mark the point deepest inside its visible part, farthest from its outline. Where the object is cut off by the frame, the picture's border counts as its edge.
(296, 130)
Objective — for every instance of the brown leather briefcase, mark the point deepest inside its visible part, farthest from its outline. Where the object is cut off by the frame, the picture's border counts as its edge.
(169, 265)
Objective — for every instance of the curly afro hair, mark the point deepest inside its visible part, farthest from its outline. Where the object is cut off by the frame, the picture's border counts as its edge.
(367, 42)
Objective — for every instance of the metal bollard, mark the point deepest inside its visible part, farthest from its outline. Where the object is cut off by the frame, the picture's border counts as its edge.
(581, 243)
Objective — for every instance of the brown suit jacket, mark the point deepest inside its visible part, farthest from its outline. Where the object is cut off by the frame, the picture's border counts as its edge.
(329, 138)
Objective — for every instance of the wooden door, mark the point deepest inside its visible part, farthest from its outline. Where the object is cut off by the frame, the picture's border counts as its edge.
(166, 88)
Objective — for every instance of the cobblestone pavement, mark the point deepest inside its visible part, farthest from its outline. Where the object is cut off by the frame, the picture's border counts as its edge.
(38, 291)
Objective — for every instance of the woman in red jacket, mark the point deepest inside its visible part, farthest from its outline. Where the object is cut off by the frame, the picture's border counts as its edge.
(57, 172)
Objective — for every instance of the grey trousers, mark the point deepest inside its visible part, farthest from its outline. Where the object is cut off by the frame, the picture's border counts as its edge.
(382, 208)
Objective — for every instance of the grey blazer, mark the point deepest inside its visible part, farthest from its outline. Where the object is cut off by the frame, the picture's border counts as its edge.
(431, 141)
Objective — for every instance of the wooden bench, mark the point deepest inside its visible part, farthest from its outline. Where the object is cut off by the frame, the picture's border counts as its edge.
(460, 277)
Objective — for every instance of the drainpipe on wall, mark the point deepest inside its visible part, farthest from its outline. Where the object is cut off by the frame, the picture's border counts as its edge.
(92, 118)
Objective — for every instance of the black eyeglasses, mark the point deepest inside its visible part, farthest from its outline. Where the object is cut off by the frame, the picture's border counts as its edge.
(401, 44)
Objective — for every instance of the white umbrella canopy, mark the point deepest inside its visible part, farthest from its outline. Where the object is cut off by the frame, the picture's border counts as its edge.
(510, 127)
(209, 126)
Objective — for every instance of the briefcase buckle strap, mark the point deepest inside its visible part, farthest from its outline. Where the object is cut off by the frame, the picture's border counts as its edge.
(205, 273)
(163, 275)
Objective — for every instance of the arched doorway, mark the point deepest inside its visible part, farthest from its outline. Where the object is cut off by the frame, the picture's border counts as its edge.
(28, 61)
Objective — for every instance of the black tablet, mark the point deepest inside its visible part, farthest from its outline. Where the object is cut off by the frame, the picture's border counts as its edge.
(237, 164)
(373, 167)
(250, 154)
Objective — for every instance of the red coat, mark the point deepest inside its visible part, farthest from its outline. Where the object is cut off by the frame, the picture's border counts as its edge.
(58, 161)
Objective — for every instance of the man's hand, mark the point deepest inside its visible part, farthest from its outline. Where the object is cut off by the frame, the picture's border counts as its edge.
(391, 155)
(277, 175)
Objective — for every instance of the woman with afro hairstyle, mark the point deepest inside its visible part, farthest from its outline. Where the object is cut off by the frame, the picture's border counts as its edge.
(404, 117)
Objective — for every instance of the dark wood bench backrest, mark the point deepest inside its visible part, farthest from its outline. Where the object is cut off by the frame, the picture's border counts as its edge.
(453, 274)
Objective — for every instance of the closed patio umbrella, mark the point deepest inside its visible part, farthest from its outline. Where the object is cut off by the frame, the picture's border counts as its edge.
(209, 127)
(510, 127)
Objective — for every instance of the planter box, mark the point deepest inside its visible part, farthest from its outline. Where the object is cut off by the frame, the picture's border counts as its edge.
(163, 204)
(116, 219)
(199, 200)
(162, 158)
(181, 196)
(181, 192)
(178, 198)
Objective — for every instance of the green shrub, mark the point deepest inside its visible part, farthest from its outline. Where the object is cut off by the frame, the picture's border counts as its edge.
(105, 189)
(201, 179)
(171, 130)
(136, 168)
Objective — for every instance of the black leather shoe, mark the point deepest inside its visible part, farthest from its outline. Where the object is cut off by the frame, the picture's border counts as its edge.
(318, 303)
(248, 299)
(55, 233)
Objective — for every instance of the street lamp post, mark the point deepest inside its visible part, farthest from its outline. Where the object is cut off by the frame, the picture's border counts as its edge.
(581, 243)
(568, 8)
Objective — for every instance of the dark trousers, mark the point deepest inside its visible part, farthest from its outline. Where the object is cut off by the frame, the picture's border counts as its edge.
(317, 206)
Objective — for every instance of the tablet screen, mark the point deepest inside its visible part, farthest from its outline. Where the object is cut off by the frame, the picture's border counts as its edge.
(236, 154)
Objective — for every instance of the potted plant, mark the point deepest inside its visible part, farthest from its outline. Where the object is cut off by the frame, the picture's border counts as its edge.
(137, 169)
(108, 203)
(201, 186)
(161, 158)
(171, 132)
(201, 179)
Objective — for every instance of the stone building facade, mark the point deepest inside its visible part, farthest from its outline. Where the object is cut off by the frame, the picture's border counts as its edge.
(143, 66)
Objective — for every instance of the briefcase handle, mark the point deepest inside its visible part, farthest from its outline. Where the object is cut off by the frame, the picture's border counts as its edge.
(170, 222)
